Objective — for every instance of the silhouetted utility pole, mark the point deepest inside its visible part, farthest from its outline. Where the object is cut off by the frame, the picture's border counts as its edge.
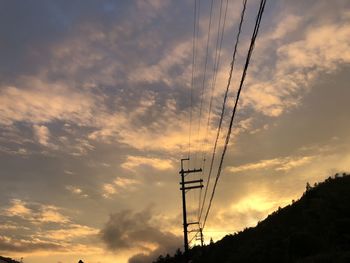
(185, 186)
(201, 236)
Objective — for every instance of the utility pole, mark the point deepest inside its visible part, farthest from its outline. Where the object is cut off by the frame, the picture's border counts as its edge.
(201, 236)
(185, 186)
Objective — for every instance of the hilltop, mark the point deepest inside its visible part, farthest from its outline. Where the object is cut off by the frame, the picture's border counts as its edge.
(7, 260)
(315, 228)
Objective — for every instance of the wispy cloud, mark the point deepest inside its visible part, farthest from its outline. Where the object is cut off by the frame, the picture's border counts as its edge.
(299, 62)
(71, 232)
(133, 162)
(35, 213)
(125, 182)
(109, 190)
(42, 228)
(279, 164)
(118, 185)
(18, 208)
(76, 191)
(43, 102)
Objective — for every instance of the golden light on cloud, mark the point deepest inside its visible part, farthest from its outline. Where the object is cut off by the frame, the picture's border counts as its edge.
(125, 182)
(74, 190)
(279, 164)
(133, 162)
(109, 190)
(52, 214)
(71, 232)
(18, 208)
(256, 202)
(42, 133)
(19, 104)
(119, 185)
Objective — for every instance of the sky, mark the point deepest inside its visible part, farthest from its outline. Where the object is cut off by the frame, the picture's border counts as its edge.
(95, 116)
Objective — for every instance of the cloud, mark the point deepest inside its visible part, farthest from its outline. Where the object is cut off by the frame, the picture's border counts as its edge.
(109, 190)
(68, 172)
(12, 227)
(161, 72)
(73, 189)
(148, 125)
(82, 147)
(279, 164)
(288, 24)
(152, 5)
(35, 213)
(315, 52)
(33, 228)
(133, 162)
(71, 90)
(18, 152)
(51, 214)
(42, 134)
(118, 185)
(299, 60)
(68, 240)
(125, 182)
(256, 166)
(72, 231)
(76, 191)
(244, 212)
(18, 208)
(12, 245)
(38, 101)
(126, 230)
(293, 163)
(89, 70)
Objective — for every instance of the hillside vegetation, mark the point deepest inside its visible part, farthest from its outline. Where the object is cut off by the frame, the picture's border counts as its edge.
(7, 260)
(316, 228)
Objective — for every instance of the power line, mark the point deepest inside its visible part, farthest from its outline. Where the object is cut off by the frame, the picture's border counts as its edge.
(204, 141)
(203, 84)
(250, 51)
(218, 46)
(218, 52)
(205, 71)
(224, 103)
(195, 235)
(215, 68)
(194, 50)
(254, 35)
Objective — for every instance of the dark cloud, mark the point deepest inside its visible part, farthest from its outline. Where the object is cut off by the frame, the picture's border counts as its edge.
(128, 229)
(168, 243)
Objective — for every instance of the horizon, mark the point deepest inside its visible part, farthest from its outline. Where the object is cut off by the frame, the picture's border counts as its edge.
(95, 109)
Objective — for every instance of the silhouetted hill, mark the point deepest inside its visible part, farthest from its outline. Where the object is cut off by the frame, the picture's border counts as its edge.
(7, 260)
(316, 228)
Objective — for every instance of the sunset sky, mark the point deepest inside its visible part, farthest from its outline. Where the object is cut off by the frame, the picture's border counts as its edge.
(94, 119)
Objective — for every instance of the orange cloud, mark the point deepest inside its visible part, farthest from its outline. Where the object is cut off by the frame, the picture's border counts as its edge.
(18, 208)
(279, 164)
(133, 162)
